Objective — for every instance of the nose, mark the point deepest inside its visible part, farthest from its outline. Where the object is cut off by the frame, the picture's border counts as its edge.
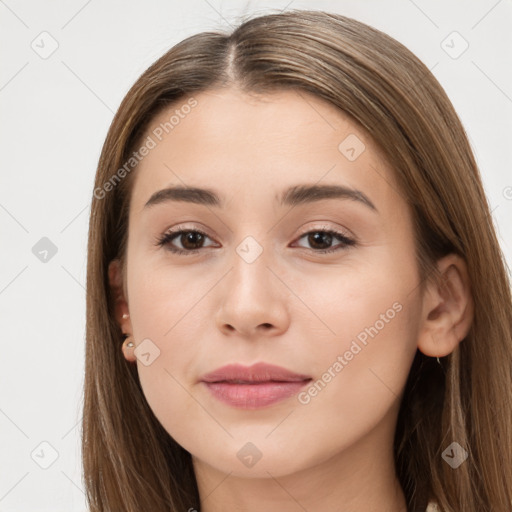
(253, 301)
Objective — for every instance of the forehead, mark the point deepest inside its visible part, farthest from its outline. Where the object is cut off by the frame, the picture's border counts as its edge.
(227, 140)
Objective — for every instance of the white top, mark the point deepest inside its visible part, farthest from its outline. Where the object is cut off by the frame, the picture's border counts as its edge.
(432, 507)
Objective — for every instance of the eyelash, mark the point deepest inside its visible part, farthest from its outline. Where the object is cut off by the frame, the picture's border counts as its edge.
(167, 238)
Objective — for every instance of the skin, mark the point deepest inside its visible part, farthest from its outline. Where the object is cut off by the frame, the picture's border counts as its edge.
(292, 306)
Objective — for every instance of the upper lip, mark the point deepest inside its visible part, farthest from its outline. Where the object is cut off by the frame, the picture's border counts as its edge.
(259, 372)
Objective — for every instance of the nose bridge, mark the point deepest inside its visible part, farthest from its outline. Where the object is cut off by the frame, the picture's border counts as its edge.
(252, 295)
(250, 275)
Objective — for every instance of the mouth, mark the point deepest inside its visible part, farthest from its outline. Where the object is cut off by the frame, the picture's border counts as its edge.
(254, 395)
(259, 372)
(253, 387)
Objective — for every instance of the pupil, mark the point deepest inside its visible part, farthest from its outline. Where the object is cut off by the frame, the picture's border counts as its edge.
(316, 238)
(189, 237)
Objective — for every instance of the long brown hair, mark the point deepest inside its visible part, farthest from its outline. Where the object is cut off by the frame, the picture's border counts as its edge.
(130, 462)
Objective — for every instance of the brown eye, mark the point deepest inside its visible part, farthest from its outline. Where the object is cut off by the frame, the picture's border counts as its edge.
(320, 240)
(191, 241)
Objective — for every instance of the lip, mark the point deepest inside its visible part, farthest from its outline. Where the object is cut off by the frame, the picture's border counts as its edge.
(259, 372)
(252, 387)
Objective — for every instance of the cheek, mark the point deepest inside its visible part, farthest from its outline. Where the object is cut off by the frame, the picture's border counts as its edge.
(164, 312)
(372, 316)
(167, 373)
(364, 371)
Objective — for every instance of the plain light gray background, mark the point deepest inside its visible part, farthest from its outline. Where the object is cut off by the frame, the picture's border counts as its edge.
(56, 110)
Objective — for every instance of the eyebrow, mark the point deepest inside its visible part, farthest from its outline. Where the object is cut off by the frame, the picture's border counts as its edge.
(293, 196)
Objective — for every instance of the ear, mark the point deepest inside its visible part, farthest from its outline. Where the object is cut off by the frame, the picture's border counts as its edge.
(447, 308)
(115, 276)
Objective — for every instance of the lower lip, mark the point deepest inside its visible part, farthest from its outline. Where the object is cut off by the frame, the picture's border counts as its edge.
(254, 396)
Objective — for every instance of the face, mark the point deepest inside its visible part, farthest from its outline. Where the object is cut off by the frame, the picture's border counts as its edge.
(322, 284)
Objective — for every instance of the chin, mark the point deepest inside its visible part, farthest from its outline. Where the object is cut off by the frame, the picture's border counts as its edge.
(249, 460)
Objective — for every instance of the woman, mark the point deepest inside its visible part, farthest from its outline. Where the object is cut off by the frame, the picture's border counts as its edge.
(295, 294)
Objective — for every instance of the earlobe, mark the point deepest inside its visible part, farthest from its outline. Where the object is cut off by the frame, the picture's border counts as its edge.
(128, 350)
(447, 312)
